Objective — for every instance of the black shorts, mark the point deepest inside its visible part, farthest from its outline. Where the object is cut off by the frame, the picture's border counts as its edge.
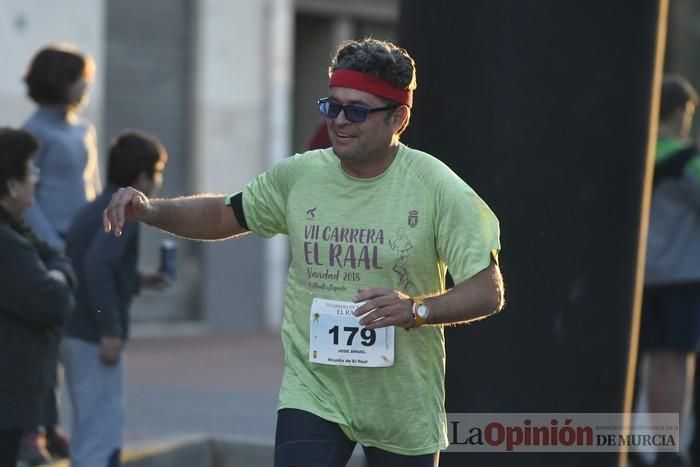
(671, 318)
(306, 440)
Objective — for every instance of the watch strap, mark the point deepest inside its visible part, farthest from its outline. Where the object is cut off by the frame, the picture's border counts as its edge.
(418, 320)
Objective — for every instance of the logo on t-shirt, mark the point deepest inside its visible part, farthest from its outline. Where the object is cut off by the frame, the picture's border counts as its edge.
(402, 245)
(412, 218)
(311, 213)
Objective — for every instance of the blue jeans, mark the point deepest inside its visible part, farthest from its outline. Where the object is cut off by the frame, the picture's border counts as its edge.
(97, 399)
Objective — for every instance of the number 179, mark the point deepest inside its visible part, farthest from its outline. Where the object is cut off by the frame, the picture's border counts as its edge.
(368, 336)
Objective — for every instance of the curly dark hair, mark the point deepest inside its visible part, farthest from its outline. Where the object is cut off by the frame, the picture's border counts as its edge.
(16, 148)
(53, 70)
(376, 58)
(132, 153)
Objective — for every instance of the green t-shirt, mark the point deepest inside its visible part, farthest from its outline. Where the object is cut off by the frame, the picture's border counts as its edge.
(667, 147)
(402, 230)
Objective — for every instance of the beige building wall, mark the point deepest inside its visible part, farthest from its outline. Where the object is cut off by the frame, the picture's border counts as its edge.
(241, 127)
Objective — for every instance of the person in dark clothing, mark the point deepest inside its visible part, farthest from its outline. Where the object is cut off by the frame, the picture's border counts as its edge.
(670, 322)
(58, 80)
(95, 336)
(35, 298)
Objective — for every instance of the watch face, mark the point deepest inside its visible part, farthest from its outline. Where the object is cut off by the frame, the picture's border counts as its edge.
(422, 311)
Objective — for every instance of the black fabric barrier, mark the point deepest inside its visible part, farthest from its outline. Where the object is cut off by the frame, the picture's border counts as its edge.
(544, 107)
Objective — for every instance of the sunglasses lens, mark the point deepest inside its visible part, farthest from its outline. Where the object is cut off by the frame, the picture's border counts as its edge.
(329, 109)
(334, 109)
(355, 113)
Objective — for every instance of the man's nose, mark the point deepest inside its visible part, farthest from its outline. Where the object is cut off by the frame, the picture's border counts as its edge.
(341, 118)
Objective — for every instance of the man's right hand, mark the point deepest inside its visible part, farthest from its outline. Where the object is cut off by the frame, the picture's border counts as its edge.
(126, 204)
(110, 350)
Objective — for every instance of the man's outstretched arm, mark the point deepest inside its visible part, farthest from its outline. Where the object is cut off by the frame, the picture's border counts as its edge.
(201, 217)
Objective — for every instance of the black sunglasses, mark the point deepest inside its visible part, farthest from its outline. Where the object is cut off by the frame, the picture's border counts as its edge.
(354, 113)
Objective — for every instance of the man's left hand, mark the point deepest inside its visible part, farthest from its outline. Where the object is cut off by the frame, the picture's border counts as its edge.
(110, 350)
(384, 307)
(154, 280)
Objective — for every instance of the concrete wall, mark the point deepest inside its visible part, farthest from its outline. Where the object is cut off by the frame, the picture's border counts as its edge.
(236, 60)
(148, 86)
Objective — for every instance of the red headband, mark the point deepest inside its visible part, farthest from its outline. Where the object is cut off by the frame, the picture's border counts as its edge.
(345, 78)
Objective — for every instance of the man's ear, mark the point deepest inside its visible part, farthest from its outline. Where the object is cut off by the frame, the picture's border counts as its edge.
(399, 118)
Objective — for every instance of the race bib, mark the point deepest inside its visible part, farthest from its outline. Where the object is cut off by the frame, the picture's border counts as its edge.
(338, 338)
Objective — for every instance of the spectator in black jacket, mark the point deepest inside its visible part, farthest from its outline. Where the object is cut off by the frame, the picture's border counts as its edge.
(95, 336)
(35, 298)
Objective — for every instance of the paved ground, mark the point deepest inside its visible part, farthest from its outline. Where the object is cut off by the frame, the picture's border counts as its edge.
(186, 380)
(204, 382)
